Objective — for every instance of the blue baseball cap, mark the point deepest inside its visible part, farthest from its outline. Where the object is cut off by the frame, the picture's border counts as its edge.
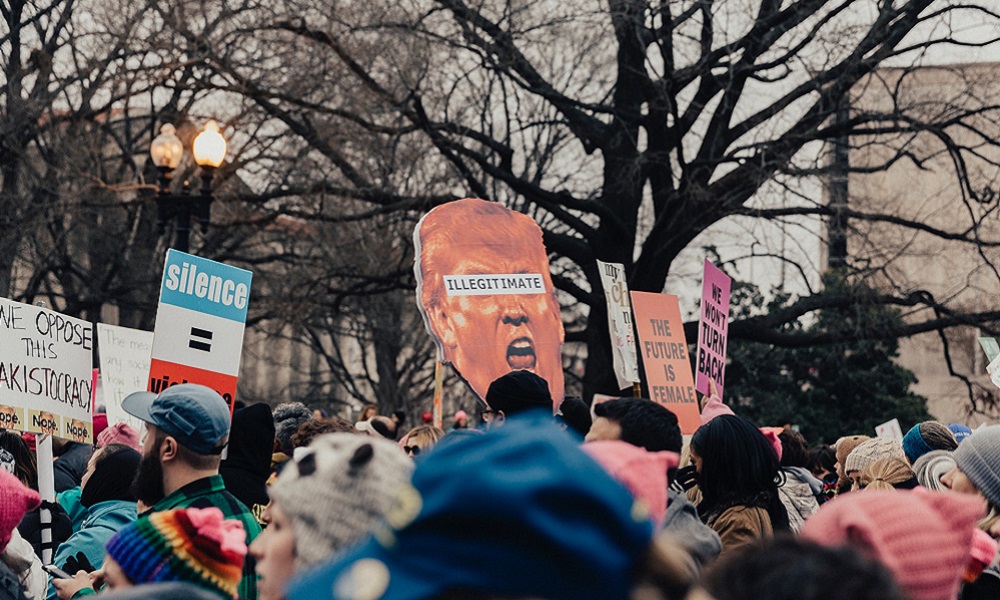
(195, 415)
(520, 511)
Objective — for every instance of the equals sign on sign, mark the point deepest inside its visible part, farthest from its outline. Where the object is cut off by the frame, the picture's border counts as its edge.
(198, 344)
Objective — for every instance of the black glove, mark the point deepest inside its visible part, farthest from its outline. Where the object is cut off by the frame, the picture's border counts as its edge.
(78, 563)
(686, 478)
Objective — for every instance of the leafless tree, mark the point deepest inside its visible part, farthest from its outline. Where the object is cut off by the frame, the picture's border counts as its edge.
(628, 129)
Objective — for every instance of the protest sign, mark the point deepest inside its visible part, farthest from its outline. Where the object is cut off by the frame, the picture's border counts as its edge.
(485, 293)
(665, 356)
(891, 430)
(619, 323)
(713, 329)
(46, 377)
(198, 334)
(125, 355)
(990, 347)
(993, 369)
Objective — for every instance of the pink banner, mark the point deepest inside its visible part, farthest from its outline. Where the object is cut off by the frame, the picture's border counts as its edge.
(713, 329)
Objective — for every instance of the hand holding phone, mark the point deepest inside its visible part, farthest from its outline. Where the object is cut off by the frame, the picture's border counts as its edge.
(56, 572)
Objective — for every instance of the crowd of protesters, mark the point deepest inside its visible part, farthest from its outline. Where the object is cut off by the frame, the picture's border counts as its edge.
(609, 503)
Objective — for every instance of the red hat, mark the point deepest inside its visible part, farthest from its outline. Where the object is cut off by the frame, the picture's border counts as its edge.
(15, 500)
(427, 416)
(100, 421)
(923, 537)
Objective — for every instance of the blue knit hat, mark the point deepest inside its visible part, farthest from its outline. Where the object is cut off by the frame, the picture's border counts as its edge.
(960, 431)
(520, 511)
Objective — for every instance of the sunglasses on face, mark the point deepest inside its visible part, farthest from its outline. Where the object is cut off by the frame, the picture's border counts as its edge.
(412, 450)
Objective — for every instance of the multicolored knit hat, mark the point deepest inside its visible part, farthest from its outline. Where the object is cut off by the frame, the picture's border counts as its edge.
(197, 545)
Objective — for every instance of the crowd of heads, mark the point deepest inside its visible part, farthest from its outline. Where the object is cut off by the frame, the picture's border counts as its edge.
(530, 500)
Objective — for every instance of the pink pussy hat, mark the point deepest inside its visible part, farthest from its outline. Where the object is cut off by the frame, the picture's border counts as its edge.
(923, 537)
(15, 500)
(643, 473)
(714, 408)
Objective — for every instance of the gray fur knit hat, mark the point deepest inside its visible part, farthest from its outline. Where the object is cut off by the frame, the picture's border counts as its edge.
(287, 418)
(874, 449)
(978, 457)
(337, 490)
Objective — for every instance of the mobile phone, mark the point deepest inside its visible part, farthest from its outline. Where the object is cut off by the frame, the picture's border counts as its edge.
(56, 572)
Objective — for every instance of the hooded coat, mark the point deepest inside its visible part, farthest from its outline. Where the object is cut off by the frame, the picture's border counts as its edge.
(798, 495)
(100, 522)
(683, 523)
(248, 463)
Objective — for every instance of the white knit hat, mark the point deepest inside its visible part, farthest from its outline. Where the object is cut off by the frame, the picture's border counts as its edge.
(337, 490)
(874, 449)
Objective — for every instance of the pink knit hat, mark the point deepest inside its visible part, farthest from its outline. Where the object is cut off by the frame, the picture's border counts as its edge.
(643, 473)
(984, 550)
(923, 537)
(15, 500)
(771, 433)
(119, 433)
(714, 408)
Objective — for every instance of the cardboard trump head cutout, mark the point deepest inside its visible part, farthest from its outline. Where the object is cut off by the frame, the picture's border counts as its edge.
(486, 295)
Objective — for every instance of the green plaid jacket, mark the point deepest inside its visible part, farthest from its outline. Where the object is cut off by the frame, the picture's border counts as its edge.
(211, 491)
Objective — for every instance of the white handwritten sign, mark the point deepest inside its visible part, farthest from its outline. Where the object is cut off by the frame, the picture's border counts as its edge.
(619, 323)
(124, 356)
(891, 430)
(46, 371)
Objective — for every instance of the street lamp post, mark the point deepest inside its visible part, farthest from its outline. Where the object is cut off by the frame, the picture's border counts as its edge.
(166, 151)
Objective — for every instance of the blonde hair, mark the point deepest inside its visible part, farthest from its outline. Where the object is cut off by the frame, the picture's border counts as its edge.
(992, 518)
(423, 436)
(884, 474)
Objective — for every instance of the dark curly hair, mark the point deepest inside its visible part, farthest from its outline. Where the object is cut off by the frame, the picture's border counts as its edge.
(644, 423)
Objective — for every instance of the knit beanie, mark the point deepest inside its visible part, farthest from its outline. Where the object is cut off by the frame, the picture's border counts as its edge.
(959, 431)
(337, 491)
(287, 418)
(119, 433)
(978, 457)
(874, 449)
(517, 392)
(930, 467)
(771, 433)
(643, 473)
(923, 537)
(196, 545)
(100, 421)
(982, 555)
(714, 408)
(927, 436)
(845, 445)
(15, 500)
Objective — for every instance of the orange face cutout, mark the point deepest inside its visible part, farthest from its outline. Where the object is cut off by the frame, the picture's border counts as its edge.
(486, 294)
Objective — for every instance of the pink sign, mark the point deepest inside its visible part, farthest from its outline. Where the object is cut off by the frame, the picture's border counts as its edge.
(713, 329)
